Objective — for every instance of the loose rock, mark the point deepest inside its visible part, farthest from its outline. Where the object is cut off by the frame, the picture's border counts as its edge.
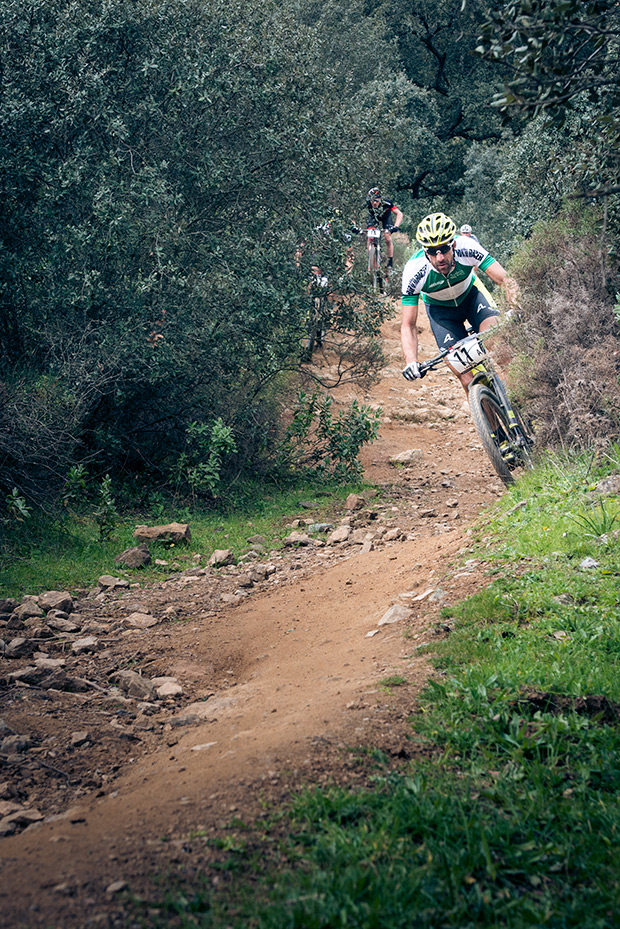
(137, 557)
(172, 532)
(56, 600)
(395, 614)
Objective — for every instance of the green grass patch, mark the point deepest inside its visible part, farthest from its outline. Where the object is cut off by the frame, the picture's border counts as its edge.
(515, 820)
(392, 680)
(38, 554)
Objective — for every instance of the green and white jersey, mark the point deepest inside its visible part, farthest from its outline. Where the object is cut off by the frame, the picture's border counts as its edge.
(421, 279)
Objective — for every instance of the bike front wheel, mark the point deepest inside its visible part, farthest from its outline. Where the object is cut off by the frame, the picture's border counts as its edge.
(505, 446)
(374, 267)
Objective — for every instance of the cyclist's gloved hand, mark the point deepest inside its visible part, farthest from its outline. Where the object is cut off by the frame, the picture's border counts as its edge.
(412, 371)
(394, 228)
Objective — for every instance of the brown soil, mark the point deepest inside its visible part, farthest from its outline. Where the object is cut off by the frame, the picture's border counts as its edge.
(277, 687)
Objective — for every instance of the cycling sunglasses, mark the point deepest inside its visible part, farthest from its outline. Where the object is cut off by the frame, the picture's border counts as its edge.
(433, 249)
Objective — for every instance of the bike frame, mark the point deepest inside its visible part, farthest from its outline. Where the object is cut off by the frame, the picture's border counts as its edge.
(483, 372)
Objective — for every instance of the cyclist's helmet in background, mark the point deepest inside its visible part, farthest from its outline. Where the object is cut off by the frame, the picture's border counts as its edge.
(374, 193)
(466, 229)
(436, 229)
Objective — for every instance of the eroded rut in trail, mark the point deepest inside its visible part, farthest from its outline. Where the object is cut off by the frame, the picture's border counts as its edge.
(276, 683)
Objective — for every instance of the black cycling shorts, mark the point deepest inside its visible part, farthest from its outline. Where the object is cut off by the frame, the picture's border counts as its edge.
(448, 322)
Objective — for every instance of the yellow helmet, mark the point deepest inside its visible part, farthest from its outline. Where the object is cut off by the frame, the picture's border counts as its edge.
(436, 229)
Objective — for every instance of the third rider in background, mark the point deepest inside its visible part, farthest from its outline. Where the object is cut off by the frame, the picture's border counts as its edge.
(469, 232)
(442, 273)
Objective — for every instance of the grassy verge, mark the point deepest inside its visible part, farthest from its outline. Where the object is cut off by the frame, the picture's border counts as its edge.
(38, 555)
(516, 819)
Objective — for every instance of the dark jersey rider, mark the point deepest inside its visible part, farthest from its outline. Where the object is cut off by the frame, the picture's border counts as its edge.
(382, 212)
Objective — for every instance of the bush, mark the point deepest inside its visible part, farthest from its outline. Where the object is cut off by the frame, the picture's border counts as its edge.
(159, 164)
(320, 444)
(567, 367)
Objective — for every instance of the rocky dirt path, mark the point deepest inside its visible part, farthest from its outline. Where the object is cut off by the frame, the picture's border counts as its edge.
(275, 668)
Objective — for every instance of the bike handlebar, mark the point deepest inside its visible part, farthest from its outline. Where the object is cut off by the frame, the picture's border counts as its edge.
(427, 366)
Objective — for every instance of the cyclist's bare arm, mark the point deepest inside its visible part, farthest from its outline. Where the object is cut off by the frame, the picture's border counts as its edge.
(499, 276)
(397, 216)
(409, 333)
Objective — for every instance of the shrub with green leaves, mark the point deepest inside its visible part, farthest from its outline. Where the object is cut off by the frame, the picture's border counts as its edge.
(200, 467)
(320, 443)
(106, 515)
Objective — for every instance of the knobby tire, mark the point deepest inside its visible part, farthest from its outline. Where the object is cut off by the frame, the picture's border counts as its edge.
(485, 408)
(374, 267)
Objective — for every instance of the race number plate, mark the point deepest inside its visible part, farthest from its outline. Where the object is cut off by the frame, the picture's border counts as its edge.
(466, 353)
(373, 232)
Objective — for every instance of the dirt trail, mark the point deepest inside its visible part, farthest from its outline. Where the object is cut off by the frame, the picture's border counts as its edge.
(278, 683)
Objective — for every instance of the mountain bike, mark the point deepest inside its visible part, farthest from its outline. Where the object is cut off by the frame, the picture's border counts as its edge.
(504, 435)
(318, 315)
(373, 234)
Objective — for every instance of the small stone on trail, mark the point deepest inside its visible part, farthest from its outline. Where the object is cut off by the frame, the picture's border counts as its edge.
(89, 643)
(140, 621)
(107, 581)
(221, 557)
(79, 738)
(116, 886)
(169, 689)
(422, 596)
(395, 614)
(298, 538)
(135, 685)
(354, 502)
(339, 535)
(411, 456)
(56, 600)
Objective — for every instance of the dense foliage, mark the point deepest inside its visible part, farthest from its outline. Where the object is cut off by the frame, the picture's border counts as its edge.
(562, 53)
(159, 162)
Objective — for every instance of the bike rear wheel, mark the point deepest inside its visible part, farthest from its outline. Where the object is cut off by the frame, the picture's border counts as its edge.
(507, 450)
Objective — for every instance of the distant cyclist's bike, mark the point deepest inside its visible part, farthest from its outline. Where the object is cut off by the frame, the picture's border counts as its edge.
(373, 234)
(505, 437)
(318, 316)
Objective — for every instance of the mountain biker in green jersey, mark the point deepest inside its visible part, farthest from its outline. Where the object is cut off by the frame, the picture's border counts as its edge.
(442, 272)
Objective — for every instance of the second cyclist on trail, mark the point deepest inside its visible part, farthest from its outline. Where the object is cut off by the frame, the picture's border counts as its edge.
(442, 273)
(386, 215)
